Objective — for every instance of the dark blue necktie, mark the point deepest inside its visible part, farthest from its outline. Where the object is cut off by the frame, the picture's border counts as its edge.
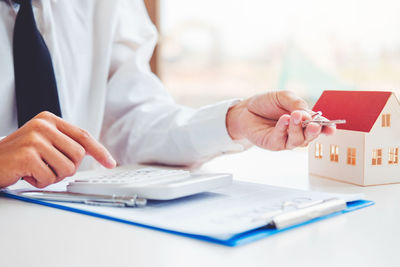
(35, 83)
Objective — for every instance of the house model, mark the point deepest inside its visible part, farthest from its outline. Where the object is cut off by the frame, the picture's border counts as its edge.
(365, 150)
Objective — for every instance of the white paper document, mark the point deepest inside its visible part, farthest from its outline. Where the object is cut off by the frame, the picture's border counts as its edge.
(220, 213)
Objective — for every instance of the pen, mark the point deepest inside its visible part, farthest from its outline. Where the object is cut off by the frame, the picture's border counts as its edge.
(88, 199)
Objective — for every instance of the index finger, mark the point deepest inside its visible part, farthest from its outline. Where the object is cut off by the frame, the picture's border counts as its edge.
(291, 102)
(90, 144)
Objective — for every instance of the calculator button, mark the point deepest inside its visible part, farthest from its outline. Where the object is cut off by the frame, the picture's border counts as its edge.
(141, 177)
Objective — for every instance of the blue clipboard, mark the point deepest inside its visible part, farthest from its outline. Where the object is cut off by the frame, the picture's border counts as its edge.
(236, 240)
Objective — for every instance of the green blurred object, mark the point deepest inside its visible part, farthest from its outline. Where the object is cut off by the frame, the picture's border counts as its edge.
(301, 69)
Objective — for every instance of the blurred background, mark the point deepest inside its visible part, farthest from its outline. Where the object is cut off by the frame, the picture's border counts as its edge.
(211, 50)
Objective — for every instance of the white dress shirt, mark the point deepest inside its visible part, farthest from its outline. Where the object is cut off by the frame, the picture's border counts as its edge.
(100, 51)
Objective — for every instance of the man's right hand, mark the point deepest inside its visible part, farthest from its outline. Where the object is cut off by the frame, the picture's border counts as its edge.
(47, 149)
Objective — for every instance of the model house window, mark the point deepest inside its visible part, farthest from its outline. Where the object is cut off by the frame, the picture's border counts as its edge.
(318, 151)
(385, 120)
(334, 153)
(377, 156)
(351, 156)
(393, 155)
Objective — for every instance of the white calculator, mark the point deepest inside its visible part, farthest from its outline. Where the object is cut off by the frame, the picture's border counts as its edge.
(150, 183)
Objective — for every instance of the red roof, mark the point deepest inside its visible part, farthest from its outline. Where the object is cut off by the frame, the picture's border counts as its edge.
(360, 109)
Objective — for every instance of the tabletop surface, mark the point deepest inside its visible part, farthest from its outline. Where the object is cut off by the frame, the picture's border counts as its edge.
(34, 235)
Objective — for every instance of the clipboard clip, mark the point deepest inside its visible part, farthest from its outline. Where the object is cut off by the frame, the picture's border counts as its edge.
(88, 199)
(296, 216)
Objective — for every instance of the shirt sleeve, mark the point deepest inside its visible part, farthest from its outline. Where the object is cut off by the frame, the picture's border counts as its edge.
(142, 123)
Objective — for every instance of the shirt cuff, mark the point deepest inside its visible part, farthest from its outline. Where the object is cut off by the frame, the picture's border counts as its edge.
(210, 136)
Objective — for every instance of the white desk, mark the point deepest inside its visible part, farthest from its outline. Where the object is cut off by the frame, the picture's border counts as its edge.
(34, 235)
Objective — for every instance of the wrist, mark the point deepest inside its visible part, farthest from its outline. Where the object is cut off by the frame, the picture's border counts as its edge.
(233, 120)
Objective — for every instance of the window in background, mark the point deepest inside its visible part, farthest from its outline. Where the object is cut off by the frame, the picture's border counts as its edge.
(351, 156)
(377, 156)
(393, 155)
(212, 50)
(334, 153)
(385, 120)
(318, 150)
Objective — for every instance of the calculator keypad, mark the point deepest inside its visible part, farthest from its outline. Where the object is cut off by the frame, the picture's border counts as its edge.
(145, 176)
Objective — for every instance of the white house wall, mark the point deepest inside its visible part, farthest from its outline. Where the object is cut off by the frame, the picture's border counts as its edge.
(339, 170)
(384, 138)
